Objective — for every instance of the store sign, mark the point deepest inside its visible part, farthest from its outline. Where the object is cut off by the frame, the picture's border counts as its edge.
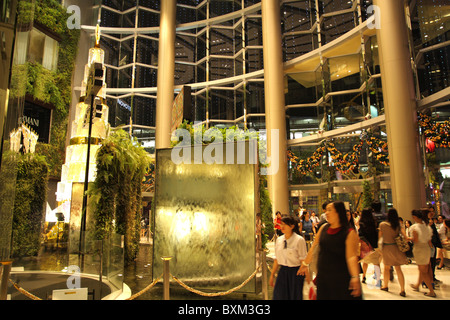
(30, 121)
(38, 119)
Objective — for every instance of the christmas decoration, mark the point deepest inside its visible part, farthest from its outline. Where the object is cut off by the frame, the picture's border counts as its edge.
(437, 132)
(343, 162)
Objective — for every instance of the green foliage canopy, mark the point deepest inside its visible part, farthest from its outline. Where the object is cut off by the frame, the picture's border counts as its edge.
(121, 166)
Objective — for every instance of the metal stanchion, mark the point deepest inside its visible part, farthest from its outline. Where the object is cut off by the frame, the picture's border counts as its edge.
(166, 277)
(101, 268)
(265, 290)
(5, 277)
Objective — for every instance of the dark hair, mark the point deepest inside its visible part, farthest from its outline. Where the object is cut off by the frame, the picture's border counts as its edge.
(324, 205)
(339, 206)
(291, 221)
(304, 215)
(376, 206)
(367, 218)
(392, 218)
(421, 214)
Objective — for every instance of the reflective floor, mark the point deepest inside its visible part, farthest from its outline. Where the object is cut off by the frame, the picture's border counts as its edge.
(139, 275)
(411, 273)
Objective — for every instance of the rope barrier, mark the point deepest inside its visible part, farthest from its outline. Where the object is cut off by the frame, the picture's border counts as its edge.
(205, 294)
(151, 285)
(24, 292)
(268, 267)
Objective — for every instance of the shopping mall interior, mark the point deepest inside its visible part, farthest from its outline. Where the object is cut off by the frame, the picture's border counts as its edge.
(346, 100)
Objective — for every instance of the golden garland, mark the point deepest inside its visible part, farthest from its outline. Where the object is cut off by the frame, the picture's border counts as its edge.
(344, 162)
(439, 133)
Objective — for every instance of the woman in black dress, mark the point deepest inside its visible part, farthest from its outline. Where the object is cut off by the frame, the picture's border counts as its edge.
(337, 264)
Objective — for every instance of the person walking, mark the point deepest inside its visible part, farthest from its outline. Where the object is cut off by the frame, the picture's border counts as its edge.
(377, 214)
(392, 256)
(435, 241)
(443, 237)
(290, 251)
(277, 224)
(337, 264)
(368, 233)
(315, 220)
(307, 226)
(421, 236)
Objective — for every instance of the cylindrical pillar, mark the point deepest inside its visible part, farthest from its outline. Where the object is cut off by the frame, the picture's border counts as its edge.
(407, 181)
(4, 280)
(166, 72)
(166, 277)
(275, 105)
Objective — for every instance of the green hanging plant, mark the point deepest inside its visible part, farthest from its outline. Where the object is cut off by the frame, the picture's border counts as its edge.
(266, 213)
(121, 166)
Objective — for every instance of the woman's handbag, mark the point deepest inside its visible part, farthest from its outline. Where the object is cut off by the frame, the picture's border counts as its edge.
(364, 248)
(402, 244)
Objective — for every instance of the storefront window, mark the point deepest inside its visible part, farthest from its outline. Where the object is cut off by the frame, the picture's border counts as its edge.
(37, 47)
(5, 11)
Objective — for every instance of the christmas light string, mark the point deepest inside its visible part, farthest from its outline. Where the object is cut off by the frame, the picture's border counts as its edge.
(437, 132)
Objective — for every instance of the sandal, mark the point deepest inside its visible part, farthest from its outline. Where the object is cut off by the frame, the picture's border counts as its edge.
(403, 294)
(430, 295)
(414, 287)
(385, 289)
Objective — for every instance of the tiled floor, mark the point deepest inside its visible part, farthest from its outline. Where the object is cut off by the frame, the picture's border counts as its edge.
(411, 273)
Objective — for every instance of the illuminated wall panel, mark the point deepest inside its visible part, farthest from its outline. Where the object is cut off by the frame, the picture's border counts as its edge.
(205, 217)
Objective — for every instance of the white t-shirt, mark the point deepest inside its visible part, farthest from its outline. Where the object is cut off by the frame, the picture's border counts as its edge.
(424, 232)
(294, 253)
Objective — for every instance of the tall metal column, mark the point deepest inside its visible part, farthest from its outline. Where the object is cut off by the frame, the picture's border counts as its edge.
(275, 103)
(407, 181)
(166, 72)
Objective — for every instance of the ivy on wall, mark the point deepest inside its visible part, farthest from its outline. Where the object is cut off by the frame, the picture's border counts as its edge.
(121, 166)
(29, 204)
(268, 229)
(54, 87)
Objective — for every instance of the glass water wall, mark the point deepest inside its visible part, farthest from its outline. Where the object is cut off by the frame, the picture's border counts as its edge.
(205, 215)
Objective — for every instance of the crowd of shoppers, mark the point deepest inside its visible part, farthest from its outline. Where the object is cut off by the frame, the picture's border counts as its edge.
(345, 244)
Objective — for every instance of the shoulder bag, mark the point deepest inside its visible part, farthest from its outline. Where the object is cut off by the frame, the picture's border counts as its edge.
(402, 244)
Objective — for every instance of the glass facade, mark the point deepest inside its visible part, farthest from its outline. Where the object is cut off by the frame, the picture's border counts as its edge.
(219, 52)
(332, 68)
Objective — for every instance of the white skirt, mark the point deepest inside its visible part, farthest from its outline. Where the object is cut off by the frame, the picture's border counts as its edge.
(422, 253)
